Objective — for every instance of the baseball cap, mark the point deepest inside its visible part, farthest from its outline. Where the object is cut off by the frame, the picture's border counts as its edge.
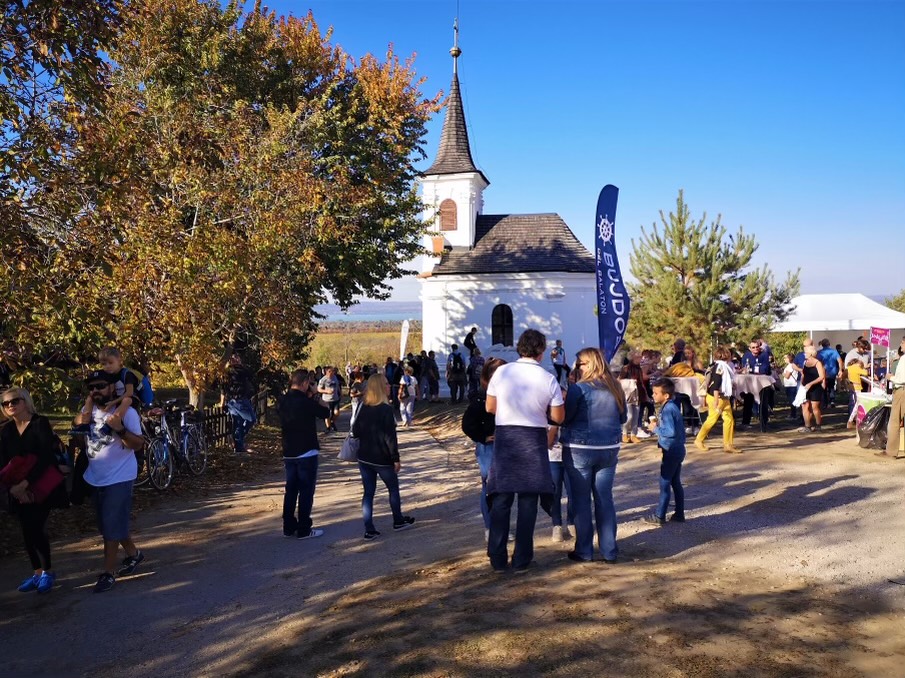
(100, 375)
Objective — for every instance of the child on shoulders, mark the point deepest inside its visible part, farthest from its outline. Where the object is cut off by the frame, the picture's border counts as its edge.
(111, 360)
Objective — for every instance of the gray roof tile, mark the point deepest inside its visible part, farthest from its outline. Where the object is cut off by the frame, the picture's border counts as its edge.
(519, 243)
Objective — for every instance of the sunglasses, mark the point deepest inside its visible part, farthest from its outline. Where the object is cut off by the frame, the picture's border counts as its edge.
(97, 387)
(11, 403)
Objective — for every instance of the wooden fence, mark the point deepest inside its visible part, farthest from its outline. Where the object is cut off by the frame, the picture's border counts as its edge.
(218, 423)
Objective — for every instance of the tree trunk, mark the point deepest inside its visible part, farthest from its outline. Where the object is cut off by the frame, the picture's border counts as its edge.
(196, 395)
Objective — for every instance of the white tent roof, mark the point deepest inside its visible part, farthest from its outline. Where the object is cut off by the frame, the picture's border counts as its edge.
(839, 312)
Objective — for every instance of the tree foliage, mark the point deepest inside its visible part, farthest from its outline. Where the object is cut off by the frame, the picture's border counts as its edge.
(897, 301)
(238, 170)
(694, 280)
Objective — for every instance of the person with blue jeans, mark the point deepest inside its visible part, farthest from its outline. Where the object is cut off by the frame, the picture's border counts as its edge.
(237, 396)
(560, 482)
(378, 454)
(299, 411)
(591, 436)
(670, 433)
(408, 394)
(832, 367)
(479, 424)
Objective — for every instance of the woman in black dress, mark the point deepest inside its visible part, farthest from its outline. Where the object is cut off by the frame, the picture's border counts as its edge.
(812, 379)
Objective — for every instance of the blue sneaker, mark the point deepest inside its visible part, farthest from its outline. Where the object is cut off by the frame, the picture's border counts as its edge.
(30, 584)
(46, 581)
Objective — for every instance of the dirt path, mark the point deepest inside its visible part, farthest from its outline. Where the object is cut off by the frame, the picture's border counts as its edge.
(781, 570)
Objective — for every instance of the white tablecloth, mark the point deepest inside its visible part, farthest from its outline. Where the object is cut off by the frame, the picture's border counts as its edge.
(751, 383)
(688, 386)
(743, 383)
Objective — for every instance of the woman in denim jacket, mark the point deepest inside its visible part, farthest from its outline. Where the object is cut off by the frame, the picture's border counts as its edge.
(591, 436)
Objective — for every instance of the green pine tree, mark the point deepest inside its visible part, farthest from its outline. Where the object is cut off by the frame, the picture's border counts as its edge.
(694, 280)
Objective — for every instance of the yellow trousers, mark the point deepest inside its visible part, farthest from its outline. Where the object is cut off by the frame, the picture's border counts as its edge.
(716, 408)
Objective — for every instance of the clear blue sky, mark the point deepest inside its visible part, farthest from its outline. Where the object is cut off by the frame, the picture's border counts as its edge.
(788, 118)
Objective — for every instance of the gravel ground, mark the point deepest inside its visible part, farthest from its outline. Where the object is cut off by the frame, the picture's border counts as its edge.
(783, 569)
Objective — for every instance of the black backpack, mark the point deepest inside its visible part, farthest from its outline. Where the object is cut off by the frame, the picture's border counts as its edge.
(458, 365)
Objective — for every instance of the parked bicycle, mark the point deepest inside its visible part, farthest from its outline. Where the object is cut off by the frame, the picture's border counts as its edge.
(174, 434)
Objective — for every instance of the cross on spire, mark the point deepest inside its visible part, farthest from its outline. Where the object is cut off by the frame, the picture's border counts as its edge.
(455, 51)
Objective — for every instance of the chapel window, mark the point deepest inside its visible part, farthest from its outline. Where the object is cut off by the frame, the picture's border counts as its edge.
(448, 218)
(501, 325)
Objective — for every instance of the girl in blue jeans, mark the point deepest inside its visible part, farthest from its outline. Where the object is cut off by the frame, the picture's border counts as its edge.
(560, 481)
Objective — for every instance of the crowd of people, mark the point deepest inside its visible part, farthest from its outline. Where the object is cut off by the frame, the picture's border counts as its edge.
(535, 432)
(534, 435)
(539, 435)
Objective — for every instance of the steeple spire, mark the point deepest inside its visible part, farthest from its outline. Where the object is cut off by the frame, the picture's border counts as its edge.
(455, 51)
(454, 154)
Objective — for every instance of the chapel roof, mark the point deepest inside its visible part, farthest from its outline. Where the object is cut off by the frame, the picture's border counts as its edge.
(519, 243)
(454, 154)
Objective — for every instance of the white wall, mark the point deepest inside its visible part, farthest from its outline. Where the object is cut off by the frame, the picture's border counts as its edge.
(561, 305)
(467, 191)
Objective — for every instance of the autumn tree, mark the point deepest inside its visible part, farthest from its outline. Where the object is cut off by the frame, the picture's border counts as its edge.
(241, 170)
(52, 61)
(897, 301)
(694, 280)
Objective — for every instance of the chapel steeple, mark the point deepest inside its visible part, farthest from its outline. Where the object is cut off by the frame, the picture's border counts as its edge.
(452, 188)
(454, 154)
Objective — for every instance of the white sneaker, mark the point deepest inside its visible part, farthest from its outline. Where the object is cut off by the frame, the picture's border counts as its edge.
(313, 534)
(566, 533)
(557, 534)
(642, 433)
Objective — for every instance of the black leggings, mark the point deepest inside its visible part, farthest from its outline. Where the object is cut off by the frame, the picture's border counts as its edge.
(33, 518)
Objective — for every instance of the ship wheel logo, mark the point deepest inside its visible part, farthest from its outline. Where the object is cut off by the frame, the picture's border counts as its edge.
(605, 228)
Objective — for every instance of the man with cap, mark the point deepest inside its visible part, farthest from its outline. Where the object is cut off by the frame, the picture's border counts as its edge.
(112, 469)
(679, 355)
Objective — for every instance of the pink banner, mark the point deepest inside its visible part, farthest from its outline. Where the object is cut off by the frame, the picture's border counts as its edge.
(879, 337)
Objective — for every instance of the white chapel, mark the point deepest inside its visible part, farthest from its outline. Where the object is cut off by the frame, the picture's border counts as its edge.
(501, 273)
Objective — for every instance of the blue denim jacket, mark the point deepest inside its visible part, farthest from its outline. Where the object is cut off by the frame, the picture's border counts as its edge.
(592, 416)
(670, 429)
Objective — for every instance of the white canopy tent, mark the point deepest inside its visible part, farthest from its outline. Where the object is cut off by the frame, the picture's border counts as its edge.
(842, 318)
(833, 314)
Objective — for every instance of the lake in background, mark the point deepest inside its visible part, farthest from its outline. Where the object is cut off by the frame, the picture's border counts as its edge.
(373, 311)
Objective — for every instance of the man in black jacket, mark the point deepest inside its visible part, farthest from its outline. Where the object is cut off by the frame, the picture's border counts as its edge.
(299, 409)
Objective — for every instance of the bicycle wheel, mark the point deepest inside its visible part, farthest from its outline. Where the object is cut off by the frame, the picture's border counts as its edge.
(160, 464)
(143, 474)
(195, 453)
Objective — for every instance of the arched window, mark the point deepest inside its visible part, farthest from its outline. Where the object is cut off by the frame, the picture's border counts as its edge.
(448, 218)
(501, 325)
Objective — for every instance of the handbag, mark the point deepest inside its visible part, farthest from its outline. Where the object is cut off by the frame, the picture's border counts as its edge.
(16, 469)
(19, 467)
(349, 450)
